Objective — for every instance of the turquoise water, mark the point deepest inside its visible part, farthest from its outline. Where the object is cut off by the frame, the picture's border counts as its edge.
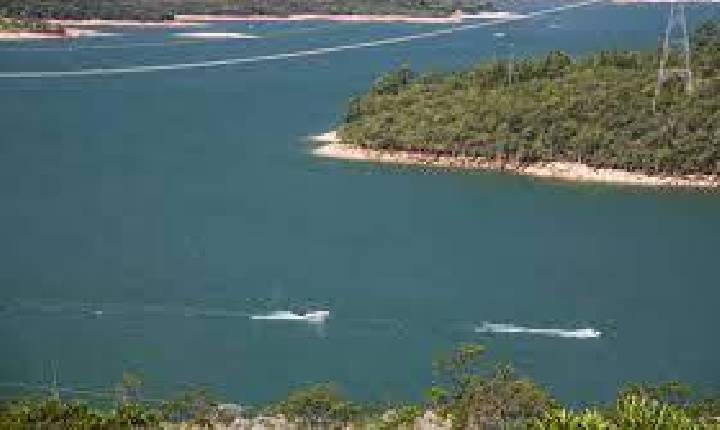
(145, 217)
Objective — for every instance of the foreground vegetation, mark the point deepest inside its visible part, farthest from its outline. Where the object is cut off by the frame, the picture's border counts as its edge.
(468, 394)
(596, 109)
(155, 10)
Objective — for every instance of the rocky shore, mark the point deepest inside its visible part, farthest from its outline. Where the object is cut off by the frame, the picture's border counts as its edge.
(330, 146)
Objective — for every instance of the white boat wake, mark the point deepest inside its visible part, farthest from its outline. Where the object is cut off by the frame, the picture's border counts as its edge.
(214, 35)
(311, 317)
(288, 55)
(583, 333)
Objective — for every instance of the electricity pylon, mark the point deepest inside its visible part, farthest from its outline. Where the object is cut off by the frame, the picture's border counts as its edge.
(505, 50)
(675, 56)
(511, 63)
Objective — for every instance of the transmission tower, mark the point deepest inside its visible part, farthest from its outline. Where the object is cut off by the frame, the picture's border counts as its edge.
(511, 63)
(505, 51)
(675, 56)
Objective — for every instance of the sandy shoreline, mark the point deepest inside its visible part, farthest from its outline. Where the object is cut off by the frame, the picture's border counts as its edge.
(31, 35)
(72, 28)
(64, 33)
(452, 19)
(78, 27)
(121, 23)
(329, 146)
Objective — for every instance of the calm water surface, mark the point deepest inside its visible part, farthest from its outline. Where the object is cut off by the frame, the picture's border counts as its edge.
(144, 217)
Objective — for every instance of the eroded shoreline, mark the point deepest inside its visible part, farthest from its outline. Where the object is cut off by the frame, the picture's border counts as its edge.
(330, 146)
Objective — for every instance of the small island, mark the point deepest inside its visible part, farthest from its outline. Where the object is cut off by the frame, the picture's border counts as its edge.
(580, 119)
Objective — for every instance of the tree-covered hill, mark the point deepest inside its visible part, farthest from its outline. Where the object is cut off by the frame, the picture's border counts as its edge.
(597, 109)
(159, 9)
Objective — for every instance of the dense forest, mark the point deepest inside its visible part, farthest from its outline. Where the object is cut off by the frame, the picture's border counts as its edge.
(596, 109)
(469, 393)
(165, 9)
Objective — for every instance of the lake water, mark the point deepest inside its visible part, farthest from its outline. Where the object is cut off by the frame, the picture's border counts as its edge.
(144, 217)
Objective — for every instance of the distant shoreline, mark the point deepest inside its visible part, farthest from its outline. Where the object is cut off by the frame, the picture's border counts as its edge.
(330, 146)
(69, 28)
(121, 23)
(409, 19)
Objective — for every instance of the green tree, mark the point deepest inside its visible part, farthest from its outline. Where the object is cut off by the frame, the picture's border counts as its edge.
(479, 396)
(319, 406)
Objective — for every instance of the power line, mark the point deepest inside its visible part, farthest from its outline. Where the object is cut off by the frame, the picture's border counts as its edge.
(288, 55)
(505, 53)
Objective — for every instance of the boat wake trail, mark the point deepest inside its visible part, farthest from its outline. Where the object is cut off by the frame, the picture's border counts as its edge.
(311, 317)
(253, 310)
(583, 333)
(288, 55)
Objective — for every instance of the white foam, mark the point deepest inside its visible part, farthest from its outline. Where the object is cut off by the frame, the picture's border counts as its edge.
(284, 56)
(197, 35)
(583, 333)
(329, 137)
(83, 32)
(493, 15)
(313, 317)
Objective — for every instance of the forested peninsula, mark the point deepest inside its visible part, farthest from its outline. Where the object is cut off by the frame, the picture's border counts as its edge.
(166, 9)
(585, 118)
